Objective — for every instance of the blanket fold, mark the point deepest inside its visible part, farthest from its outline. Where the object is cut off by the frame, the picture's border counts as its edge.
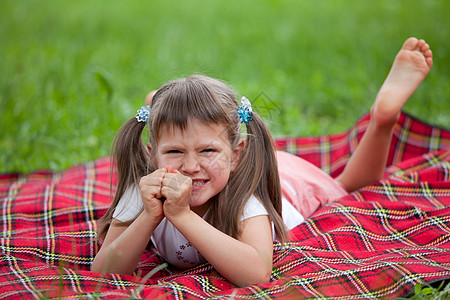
(377, 242)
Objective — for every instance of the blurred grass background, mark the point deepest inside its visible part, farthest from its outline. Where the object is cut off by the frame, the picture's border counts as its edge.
(71, 72)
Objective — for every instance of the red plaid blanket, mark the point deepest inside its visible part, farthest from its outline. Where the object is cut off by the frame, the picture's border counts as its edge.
(377, 242)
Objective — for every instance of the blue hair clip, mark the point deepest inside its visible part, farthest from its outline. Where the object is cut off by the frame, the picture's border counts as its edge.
(245, 111)
(143, 113)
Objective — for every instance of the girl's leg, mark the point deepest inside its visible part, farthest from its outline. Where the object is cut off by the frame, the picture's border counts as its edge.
(410, 67)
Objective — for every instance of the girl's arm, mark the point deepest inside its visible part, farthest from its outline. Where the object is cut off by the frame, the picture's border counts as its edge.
(244, 261)
(123, 246)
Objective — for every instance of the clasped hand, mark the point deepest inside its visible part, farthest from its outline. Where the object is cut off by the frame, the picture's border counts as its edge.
(165, 193)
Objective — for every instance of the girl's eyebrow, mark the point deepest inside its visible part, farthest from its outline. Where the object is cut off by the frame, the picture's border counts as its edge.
(211, 144)
(208, 145)
(169, 146)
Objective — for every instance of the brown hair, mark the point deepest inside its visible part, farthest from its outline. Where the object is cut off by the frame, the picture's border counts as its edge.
(211, 101)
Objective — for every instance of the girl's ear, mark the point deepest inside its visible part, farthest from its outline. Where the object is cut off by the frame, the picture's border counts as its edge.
(236, 155)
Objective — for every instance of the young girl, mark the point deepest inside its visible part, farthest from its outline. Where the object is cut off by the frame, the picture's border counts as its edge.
(201, 192)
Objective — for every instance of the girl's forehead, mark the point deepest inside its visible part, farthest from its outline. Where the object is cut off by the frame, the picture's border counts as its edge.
(195, 137)
(193, 126)
(194, 130)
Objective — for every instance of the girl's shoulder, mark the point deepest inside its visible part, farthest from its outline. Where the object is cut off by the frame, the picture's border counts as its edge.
(130, 205)
(253, 208)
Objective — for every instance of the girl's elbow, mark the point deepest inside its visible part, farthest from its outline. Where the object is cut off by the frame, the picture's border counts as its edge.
(99, 265)
(260, 277)
(265, 277)
(102, 262)
(95, 267)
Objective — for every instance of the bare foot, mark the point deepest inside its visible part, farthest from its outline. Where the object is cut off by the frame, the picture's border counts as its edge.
(410, 67)
(149, 98)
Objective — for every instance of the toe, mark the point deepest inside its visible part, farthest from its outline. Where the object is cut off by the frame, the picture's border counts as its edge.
(429, 58)
(410, 44)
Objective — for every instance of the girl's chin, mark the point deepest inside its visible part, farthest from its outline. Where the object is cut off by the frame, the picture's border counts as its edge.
(195, 203)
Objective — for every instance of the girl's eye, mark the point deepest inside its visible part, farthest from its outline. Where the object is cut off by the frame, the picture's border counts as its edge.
(173, 151)
(208, 150)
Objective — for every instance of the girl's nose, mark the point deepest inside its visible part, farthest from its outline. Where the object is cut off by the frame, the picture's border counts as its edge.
(190, 164)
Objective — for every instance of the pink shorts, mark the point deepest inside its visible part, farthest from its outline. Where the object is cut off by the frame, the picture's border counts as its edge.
(306, 186)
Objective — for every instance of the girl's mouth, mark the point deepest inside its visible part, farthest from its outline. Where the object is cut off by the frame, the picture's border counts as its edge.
(198, 184)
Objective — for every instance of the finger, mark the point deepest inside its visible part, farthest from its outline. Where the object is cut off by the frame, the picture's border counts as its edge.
(167, 192)
(175, 180)
(150, 181)
(175, 194)
(160, 171)
(154, 177)
(170, 169)
(153, 191)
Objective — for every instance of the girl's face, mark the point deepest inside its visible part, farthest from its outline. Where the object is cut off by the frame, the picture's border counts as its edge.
(202, 152)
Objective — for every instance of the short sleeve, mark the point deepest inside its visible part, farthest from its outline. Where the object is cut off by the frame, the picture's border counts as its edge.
(253, 208)
(129, 206)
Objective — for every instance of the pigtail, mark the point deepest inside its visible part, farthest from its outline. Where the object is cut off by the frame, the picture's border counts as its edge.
(132, 160)
(258, 168)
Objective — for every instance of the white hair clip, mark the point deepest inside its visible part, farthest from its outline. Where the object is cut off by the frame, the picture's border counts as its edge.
(143, 113)
(245, 112)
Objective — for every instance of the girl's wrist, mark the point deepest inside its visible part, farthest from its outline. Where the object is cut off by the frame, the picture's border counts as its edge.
(149, 218)
(181, 218)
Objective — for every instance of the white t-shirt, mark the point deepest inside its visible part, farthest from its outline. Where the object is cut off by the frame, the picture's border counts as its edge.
(172, 245)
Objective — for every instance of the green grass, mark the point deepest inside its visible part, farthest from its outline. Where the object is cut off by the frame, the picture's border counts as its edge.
(72, 71)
